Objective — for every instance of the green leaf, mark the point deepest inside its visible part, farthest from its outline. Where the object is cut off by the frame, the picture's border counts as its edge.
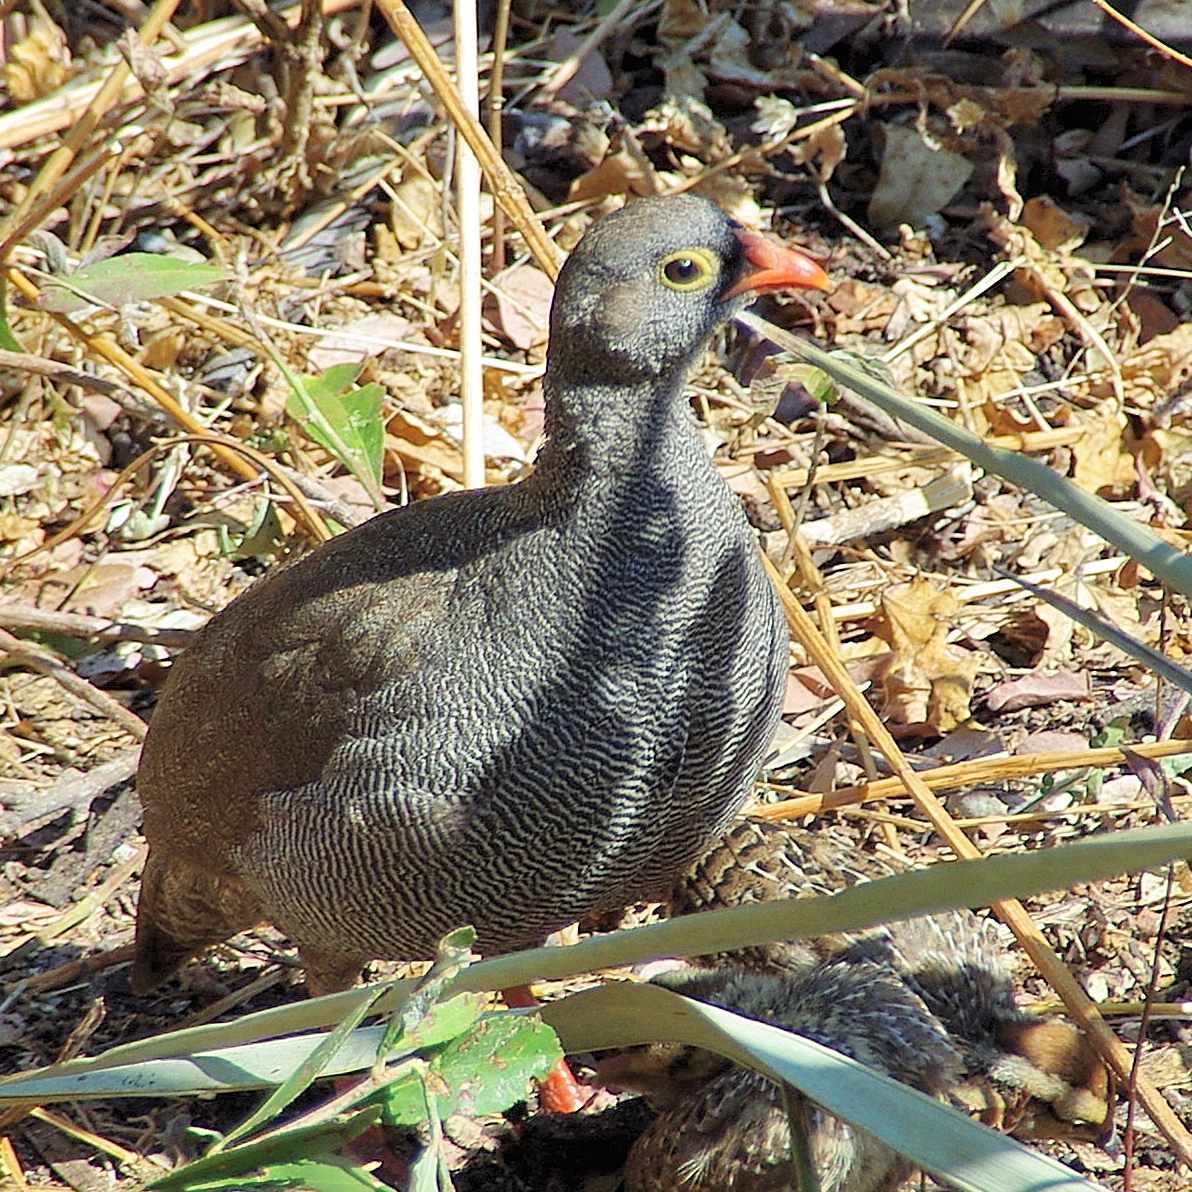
(346, 422)
(818, 384)
(424, 1172)
(327, 1174)
(8, 341)
(132, 277)
(262, 538)
(938, 887)
(304, 1074)
(244, 1054)
(1104, 628)
(485, 1071)
(284, 1146)
(489, 1069)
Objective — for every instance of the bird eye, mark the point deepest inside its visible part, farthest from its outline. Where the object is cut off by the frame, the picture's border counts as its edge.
(691, 269)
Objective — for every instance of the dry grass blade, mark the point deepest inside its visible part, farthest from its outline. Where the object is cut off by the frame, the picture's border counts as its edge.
(467, 192)
(1169, 564)
(968, 773)
(107, 349)
(504, 184)
(42, 196)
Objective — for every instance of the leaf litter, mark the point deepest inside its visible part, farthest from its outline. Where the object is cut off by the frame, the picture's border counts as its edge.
(1006, 218)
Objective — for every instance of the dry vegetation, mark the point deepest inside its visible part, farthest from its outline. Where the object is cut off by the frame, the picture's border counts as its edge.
(1007, 222)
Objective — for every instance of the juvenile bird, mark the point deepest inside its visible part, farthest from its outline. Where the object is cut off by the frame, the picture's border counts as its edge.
(1047, 1080)
(721, 1128)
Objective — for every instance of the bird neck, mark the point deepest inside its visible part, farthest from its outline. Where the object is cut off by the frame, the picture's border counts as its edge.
(600, 433)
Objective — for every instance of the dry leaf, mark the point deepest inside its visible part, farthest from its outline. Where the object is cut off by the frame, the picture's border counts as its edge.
(916, 180)
(625, 169)
(1052, 226)
(519, 310)
(591, 81)
(1159, 369)
(415, 213)
(39, 63)
(926, 680)
(369, 335)
(1101, 465)
(1036, 689)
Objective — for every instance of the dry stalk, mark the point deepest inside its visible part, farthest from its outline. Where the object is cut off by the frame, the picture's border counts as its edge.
(318, 530)
(467, 201)
(858, 469)
(505, 185)
(109, 350)
(203, 46)
(617, 18)
(496, 107)
(979, 771)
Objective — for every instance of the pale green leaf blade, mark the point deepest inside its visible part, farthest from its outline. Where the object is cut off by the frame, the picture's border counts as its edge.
(1172, 566)
(131, 277)
(283, 1147)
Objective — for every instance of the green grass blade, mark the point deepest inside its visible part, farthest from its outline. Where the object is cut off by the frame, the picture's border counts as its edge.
(939, 887)
(304, 1073)
(281, 1148)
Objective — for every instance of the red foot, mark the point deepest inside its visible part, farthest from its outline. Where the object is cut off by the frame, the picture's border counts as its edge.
(558, 1090)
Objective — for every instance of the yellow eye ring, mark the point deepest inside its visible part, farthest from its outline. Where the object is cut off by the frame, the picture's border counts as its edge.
(689, 269)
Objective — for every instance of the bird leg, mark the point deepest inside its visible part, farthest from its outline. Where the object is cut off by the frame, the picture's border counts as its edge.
(559, 1091)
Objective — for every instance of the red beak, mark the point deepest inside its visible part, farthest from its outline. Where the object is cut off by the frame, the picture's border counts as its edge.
(776, 268)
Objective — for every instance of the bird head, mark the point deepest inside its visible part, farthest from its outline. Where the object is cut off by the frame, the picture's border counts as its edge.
(648, 285)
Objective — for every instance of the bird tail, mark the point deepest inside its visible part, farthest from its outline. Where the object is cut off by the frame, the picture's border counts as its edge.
(183, 910)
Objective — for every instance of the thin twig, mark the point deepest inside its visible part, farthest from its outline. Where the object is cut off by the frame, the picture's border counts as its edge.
(976, 772)
(42, 660)
(72, 791)
(63, 374)
(81, 625)
(496, 108)
(615, 19)
(467, 201)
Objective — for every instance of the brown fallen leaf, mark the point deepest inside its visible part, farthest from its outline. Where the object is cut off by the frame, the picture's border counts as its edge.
(917, 179)
(1102, 466)
(1036, 689)
(519, 309)
(926, 680)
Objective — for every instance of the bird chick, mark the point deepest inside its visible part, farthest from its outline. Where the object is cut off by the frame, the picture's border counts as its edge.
(722, 1127)
(1047, 1080)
